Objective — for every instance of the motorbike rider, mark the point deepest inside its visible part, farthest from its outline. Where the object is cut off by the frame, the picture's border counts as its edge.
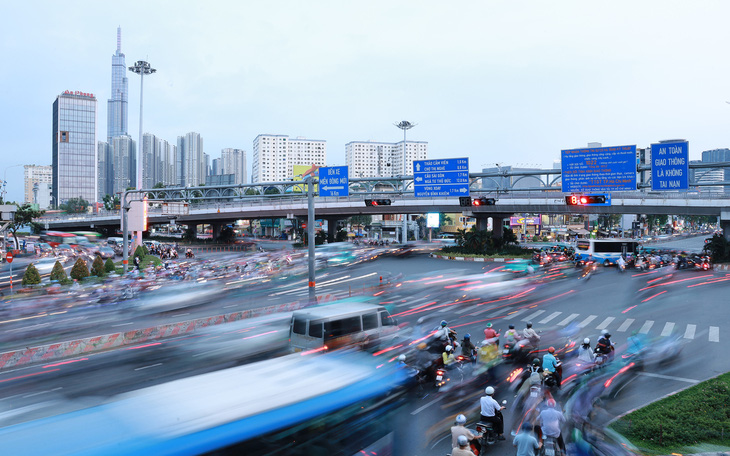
(550, 365)
(531, 335)
(604, 346)
(550, 420)
(525, 441)
(444, 333)
(534, 372)
(490, 333)
(491, 412)
(460, 430)
(585, 353)
(511, 335)
(621, 263)
(448, 357)
(463, 448)
(467, 348)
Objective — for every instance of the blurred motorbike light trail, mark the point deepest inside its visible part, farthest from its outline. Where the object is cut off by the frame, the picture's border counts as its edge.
(654, 296)
(676, 281)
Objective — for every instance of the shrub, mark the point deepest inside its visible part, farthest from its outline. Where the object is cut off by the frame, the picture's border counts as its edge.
(97, 267)
(31, 276)
(58, 273)
(80, 270)
(109, 265)
(140, 252)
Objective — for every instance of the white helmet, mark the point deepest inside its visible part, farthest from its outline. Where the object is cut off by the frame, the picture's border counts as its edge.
(460, 419)
(462, 440)
(489, 390)
(449, 348)
(586, 341)
(402, 358)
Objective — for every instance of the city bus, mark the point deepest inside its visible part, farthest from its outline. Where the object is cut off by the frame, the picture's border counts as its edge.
(85, 236)
(605, 251)
(54, 238)
(316, 404)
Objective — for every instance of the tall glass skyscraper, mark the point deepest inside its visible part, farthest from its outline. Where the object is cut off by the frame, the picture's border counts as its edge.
(117, 105)
(74, 147)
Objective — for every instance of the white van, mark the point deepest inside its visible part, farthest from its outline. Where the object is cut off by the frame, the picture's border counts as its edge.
(114, 241)
(340, 324)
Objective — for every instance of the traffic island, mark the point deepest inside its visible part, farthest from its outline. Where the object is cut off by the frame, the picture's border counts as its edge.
(692, 421)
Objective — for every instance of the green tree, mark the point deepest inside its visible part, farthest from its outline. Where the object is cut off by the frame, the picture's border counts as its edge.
(110, 202)
(25, 215)
(109, 265)
(31, 276)
(718, 248)
(58, 274)
(74, 205)
(271, 191)
(97, 267)
(141, 252)
(191, 233)
(159, 185)
(341, 236)
(79, 271)
(227, 235)
(251, 191)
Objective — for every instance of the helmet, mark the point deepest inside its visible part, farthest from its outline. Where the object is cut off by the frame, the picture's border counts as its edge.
(489, 325)
(467, 336)
(607, 335)
(443, 323)
(449, 348)
(460, 419)
(422, 346)
(402, 358)
(529, 324)
(604, 332)
(462, 440)
(489, 390)
(536, 362)
(586, 341)
(511, 326)
(551, 350)
(551, 403)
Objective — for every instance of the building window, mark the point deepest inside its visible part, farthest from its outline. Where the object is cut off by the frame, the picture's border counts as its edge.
(63, 137)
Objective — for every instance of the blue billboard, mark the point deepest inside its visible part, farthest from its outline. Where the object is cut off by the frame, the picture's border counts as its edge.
(333, 181)
(599, 169)
(441, 177)
(670, 166)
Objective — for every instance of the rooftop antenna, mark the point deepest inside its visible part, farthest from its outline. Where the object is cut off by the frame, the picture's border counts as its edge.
(119, 38)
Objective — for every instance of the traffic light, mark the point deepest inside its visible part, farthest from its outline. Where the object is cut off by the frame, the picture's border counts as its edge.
(483, 201)
(586, 200)
(380, 202)
(465, 201)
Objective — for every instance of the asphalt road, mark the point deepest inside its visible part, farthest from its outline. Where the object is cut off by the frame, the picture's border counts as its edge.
(689, 304)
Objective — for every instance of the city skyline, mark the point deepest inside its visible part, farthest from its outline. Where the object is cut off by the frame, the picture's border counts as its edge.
(484, 80)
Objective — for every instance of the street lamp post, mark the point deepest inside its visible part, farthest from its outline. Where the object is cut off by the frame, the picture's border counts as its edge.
(4, 184)
(141, 68)
(405, 126)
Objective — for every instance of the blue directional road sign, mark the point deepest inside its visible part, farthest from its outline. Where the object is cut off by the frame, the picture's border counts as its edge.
(599, 169)
(670, 166)
(333, 181)
(444, 177)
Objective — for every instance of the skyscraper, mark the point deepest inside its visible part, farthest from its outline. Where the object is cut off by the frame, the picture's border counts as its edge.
(233, 161)
(382, 159)
(124, 158)
(105, 169)
(158, 162)
(117, 104)
(36, 175)
(190, 160)
(74, 147)
(274, 156)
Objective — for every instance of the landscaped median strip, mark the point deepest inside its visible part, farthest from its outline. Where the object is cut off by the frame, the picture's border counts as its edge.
(458, 258)
(52, 352)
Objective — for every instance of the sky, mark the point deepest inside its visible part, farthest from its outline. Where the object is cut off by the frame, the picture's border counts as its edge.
(508, 82)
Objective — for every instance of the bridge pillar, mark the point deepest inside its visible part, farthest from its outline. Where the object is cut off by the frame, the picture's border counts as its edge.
(217, 227)
(331, 229)
(497, 223)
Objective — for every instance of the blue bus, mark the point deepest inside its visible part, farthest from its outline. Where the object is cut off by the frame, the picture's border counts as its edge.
(335, 403)
(605, 251)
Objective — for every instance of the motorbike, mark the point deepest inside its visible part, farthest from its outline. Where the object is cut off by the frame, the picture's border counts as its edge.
(517, 352)
(550, 447)
(704, 264)
(588, 271)
(189, 254)
(488, 433)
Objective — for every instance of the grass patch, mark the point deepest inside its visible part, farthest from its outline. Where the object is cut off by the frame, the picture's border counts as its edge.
(689, 421)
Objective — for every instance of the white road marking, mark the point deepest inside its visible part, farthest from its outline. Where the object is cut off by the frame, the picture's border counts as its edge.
(42, 392)
(689, 333)
(625, 325)
(422, 408)
(123, 324)
(466, 309)
(229, 306)
(568, 319)
(181, 315)
(513, 315)
(532, 317)
(604, 324)
(147, 367)
(549, 317)
(714, 334)
(587, 321)
(669, 377)
(668, 328)
(415, 302)
(647, 326)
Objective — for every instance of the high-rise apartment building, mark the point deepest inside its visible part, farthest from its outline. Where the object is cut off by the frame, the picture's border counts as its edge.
(117, 104)
(105, 173)
(33, 175)
(124, 163)
(190, 161)
(382, 159)
(274, 156)
(158, 166)
(74, 150)
(233, 161)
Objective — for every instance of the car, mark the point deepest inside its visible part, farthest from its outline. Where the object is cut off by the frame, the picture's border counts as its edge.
(65, 249)
(106, 252)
